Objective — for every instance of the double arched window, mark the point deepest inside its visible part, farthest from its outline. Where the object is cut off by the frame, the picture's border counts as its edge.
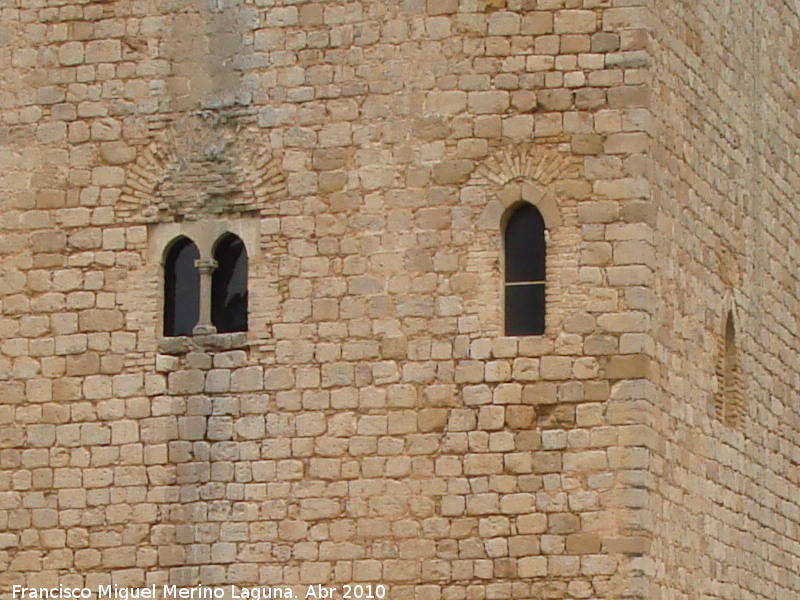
(525, 256)
(202, 294)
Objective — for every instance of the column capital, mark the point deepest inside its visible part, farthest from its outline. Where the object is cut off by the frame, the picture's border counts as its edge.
(206, 265)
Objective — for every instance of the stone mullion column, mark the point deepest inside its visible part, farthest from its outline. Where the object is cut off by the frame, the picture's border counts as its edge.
(206, 267)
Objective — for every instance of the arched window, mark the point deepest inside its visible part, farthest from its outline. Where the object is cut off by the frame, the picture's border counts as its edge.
(525, 250)
(181, 288)
(730, 406)
(229, 285)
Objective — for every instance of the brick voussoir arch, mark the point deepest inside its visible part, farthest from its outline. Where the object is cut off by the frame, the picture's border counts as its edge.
(235, 171)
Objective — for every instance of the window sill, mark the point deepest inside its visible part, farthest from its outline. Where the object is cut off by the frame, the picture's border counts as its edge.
(215, 342)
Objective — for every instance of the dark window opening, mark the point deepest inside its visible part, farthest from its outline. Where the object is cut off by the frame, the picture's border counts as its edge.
(525, 250)
(229, 285)
(181, 288)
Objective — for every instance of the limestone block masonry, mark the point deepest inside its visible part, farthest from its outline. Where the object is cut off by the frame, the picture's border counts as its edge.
(374, 424)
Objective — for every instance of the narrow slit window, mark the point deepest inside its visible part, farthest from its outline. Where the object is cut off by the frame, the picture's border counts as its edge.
(181, 288)
(229, 285)
(730, 405)
(525, 253)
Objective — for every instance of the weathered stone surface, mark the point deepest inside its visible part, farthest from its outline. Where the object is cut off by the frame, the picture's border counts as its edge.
(374, 424)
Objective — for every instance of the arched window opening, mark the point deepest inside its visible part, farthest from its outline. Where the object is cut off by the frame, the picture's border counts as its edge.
(525, 252)
(181, 288)
(729, 406)
(229, 285)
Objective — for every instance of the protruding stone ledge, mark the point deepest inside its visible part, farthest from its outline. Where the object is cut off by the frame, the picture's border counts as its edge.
(216, 342)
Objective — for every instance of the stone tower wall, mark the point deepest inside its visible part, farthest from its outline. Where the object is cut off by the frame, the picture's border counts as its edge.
(373, 425)
(725, 507)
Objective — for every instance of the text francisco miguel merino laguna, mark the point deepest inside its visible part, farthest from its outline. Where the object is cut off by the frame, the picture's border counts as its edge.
(170, 592)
